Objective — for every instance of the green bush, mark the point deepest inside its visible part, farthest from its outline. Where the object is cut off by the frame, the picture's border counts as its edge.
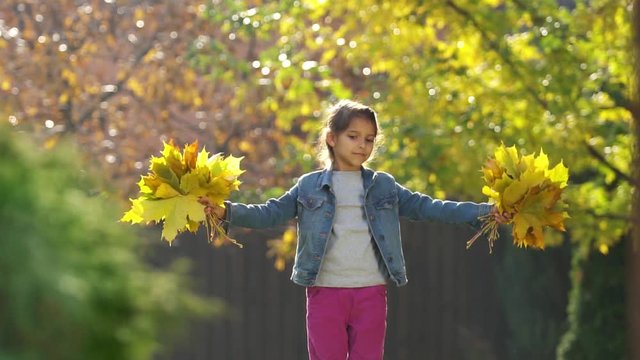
(73, 283)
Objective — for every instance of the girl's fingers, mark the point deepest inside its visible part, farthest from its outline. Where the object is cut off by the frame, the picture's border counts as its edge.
(502, 218)
(217, 211)
(212, 209)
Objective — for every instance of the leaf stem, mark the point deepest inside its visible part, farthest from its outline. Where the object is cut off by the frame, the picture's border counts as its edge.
(216, 234)
(489, 227)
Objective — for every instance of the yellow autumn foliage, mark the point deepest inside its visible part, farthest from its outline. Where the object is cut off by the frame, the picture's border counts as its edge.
(526, 190)
(283, 249)
(175, 181)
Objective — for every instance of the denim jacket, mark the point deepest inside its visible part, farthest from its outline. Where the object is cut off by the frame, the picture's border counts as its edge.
(312, 201)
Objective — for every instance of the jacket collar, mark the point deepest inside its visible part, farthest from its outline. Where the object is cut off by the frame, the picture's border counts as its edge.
(368, 176)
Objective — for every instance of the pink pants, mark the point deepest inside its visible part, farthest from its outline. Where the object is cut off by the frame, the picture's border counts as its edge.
(346, 323)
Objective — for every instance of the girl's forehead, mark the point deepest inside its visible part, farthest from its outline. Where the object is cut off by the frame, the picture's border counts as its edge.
(361, 124)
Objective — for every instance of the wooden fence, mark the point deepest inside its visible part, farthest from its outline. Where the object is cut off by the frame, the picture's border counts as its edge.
(448, 310)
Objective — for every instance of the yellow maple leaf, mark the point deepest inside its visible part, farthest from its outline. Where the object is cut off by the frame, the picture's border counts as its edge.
(542, 161)
(559, 174)
(513, 194)
(166, 191)
(492, 171)
(527, 230)
(176, 212)
(134, 215)
(508, 160)
(149, 184)
(191, 183)
(173, 159)
(163, 172)
(190, 155)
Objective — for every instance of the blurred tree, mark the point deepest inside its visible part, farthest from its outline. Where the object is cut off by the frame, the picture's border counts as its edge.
(74, 283)
(451, 79)
(597, 306)
(633, 257)
(116, 77)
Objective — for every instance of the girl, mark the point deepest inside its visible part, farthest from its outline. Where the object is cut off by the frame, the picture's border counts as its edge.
(348, 235)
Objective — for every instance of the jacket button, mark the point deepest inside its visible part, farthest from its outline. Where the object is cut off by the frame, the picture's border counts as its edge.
(390, 259)
(372, 217)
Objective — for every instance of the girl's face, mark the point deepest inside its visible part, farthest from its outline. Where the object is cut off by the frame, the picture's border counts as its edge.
(353, 146)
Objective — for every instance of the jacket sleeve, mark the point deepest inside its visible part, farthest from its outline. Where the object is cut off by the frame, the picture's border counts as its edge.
(417, 206)
(269, 214)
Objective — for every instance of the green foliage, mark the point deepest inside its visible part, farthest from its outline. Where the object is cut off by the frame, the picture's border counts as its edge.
(597, 308)
(451, 80)
(73, 283)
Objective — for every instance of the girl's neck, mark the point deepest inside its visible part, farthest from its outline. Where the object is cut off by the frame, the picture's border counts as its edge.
(337, 169)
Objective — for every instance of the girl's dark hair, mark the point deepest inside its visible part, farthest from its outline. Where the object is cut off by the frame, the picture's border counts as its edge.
(337, 120)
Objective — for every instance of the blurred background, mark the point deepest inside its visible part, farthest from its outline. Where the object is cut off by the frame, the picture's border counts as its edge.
(90, 89)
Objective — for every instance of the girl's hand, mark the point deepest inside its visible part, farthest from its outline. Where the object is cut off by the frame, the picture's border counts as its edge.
(501, 218)
(212, 209)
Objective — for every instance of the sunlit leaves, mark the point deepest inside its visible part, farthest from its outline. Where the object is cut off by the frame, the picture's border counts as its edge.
(459, 77)
(449, 79)
(175, 182)
(283, 249)
(527, 189)
(114, 75)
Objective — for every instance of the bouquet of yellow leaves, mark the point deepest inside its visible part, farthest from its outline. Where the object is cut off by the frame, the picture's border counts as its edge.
(173, 186)
(525, 190)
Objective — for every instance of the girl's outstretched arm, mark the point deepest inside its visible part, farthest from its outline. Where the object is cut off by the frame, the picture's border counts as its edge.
(417, 206)
(269, 214)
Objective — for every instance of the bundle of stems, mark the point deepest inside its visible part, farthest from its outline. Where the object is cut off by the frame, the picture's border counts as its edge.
(216, 233)
(489, 228)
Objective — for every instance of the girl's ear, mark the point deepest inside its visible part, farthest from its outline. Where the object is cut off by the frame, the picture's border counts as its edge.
(331, 139)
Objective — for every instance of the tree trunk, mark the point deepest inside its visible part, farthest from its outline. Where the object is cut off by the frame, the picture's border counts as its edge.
(634, 245)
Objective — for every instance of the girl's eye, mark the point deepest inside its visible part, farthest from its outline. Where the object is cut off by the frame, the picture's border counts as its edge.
(352, 137)
(370, 140)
